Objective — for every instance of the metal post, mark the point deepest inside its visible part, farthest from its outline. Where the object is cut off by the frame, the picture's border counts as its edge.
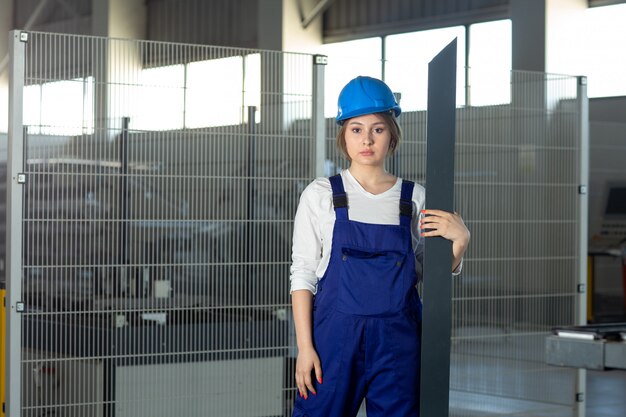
(123, 183)
(317, 117)
(583, 252)
(250, 204)
(16, 179)
(437, 310)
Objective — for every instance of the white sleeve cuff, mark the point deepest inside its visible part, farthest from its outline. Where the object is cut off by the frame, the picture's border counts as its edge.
(458, 269)
(302, 283)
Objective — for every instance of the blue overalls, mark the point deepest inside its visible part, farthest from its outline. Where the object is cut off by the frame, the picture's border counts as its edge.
(367, 318)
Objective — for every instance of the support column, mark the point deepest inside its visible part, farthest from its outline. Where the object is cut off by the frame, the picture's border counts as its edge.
(116, 19)
(280, 26)
(119, 18)
(528, 50)
(544, 34)
(528, 21)
(280, 29)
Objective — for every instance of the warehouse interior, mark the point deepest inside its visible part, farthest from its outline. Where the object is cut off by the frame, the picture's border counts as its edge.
(152, 154)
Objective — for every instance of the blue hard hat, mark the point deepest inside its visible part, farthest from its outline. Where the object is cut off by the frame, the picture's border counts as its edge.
(365, 95)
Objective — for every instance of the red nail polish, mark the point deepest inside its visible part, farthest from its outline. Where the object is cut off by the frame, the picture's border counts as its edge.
(422, 234)
(423, 211)
(320, 380)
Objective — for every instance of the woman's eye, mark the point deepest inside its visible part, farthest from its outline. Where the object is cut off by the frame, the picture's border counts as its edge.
(379, 130)
(356, 130)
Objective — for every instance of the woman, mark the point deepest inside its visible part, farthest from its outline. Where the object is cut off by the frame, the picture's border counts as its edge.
(357, 254)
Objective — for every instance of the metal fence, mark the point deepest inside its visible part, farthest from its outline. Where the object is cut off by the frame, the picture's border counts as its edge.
(607, 225)
(155, 235)
(518, 171)
(149, 238)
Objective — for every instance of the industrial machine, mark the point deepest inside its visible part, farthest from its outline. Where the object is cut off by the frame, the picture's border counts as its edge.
(597, 347)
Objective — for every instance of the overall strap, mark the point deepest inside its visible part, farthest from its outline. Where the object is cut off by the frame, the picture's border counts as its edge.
(406, 203)
(340, 200)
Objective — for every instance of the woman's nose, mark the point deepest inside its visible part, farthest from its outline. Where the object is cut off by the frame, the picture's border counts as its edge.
(368, 139)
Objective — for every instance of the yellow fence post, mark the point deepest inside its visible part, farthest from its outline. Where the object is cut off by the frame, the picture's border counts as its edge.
(3, 353)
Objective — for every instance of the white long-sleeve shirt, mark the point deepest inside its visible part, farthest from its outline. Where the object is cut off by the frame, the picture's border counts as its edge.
(315, 221)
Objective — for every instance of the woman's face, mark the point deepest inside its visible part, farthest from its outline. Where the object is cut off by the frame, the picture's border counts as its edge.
(367, 140)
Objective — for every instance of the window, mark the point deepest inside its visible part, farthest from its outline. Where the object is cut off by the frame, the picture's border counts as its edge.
(406, 63)
(252, 84)
(60, 107)
(199, 94)
(346, 60)
(602, 46)
(218, 92)
(4, 107)
(490, 63)
(32, 108)
(160, 96)
(214, 92)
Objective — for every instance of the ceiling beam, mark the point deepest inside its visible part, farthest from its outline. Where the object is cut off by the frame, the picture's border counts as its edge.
(319, 8)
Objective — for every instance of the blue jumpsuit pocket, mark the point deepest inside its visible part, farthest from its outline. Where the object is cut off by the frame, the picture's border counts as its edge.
(372, 283)
(328, 336)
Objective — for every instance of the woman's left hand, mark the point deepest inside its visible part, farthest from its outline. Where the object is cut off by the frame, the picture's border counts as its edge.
(447, 225)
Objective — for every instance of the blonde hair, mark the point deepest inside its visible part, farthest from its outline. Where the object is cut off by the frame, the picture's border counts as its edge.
(394, 129)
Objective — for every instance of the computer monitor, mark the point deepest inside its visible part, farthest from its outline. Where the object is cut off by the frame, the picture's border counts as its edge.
(616, 202)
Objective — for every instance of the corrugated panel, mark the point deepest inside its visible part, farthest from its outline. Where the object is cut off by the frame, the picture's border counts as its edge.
(216, 22)
(67, 16)
(598, 3)
(347, 19)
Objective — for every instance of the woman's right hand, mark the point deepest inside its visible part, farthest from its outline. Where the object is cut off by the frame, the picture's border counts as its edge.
(307, 362)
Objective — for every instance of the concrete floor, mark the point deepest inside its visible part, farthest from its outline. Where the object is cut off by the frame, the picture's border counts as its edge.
(606, 397)
(606, 394)
(606, 391)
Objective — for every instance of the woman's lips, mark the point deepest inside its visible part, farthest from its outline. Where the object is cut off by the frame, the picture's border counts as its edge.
(366, 153)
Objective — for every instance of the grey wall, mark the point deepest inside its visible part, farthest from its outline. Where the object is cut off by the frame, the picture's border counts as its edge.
(607, 109)
(529, 35)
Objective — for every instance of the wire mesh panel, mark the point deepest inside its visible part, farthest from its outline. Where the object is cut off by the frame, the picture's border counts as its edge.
(607, 223)
(157, 223)
(518, 173)
(517, 177)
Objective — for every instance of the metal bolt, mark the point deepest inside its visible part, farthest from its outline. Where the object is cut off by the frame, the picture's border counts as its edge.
(320, 59)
